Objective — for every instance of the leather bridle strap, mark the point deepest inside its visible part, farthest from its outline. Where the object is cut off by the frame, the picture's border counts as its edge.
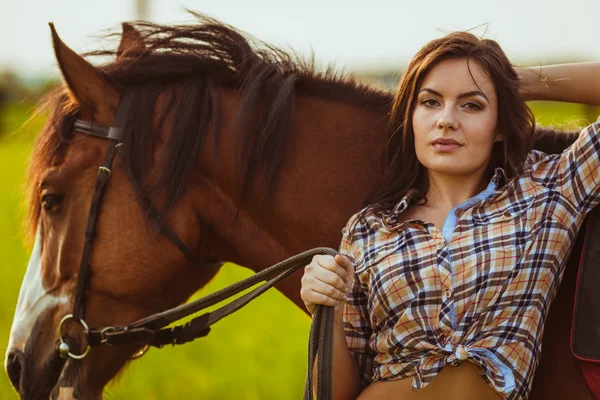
(152, 329)
(114, 136)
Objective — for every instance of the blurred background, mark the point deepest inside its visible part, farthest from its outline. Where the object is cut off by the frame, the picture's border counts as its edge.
(260, 352)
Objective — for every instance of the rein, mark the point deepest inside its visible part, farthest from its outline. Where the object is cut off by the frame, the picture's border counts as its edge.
(153, 330)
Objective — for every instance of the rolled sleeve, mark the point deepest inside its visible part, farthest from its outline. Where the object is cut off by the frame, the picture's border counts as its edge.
(575, 173)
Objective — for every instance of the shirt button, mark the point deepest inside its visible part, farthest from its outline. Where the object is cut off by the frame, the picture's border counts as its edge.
(448, 293)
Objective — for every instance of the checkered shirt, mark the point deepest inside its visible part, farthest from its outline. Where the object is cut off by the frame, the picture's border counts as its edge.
(479, 289)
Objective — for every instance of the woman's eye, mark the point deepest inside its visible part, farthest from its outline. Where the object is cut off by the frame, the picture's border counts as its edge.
(50, 202)
(430, 102)
(472, 106)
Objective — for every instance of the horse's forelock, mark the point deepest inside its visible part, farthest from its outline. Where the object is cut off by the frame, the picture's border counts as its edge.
(60, 109)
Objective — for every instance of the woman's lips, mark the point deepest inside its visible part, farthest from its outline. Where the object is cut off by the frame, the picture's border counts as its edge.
(446, 147)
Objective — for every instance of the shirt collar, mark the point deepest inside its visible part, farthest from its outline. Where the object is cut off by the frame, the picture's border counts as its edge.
(497, 182)
(499, 178)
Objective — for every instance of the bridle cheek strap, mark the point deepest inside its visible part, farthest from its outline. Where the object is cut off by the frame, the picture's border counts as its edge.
(115, 137)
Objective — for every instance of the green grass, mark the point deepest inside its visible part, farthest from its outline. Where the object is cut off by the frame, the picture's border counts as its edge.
(258, 353)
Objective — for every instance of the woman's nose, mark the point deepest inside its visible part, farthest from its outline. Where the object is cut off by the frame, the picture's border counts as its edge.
(447, 120)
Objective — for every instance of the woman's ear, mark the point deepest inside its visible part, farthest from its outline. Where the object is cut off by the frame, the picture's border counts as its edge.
(499, 137)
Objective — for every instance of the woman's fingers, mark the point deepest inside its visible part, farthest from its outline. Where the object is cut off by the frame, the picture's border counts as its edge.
(336, 291)
(348, 266)
(321, 282)
(330, 263)
(320, 298)
(320, 293)
(332, 279)
(326, 280)
(345, 263)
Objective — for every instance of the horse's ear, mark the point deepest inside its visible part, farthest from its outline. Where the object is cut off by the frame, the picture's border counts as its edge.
(97, 94)
(132, 44)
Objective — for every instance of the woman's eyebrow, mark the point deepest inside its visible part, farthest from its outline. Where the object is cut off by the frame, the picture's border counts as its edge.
(463, 95)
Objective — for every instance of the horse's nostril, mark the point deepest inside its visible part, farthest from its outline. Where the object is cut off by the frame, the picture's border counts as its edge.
(14, 367)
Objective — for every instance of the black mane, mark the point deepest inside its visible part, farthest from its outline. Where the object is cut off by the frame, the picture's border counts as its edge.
(189, 63)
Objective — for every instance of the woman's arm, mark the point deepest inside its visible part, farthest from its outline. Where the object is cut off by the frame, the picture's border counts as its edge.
(573, 83)
(346, 376)
(326, 280)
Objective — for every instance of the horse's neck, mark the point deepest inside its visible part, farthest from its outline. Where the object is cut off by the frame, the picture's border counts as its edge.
(330, 162)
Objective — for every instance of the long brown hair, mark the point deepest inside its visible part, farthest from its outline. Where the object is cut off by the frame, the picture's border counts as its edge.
(404, 174)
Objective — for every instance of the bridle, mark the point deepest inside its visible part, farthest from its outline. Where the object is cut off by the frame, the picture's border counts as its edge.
(152, 330)
(114, 136)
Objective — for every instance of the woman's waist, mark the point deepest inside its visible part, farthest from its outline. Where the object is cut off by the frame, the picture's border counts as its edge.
(498, 364)
(461, 382)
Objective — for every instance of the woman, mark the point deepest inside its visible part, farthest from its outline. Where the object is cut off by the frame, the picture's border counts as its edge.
(445, 278)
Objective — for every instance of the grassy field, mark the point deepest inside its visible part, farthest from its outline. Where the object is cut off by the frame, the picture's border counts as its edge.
(258, 353)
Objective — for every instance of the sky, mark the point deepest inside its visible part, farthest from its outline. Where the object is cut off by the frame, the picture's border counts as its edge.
(353, 35)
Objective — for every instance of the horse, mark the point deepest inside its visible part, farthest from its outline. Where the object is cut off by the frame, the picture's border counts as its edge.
(249, 154)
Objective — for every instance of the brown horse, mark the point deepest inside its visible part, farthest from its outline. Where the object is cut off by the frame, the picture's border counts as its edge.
(250, 154)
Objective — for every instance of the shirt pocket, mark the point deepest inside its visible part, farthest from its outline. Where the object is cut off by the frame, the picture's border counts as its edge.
(505, 229)
(381, 249)
(500, 240)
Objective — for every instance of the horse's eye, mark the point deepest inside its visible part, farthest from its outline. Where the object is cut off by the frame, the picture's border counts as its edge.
(50, 202)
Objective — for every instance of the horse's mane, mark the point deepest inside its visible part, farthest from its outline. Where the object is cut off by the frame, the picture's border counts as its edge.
(188, 63)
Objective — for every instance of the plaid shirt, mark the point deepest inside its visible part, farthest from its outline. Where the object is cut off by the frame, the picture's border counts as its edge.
(479, 290)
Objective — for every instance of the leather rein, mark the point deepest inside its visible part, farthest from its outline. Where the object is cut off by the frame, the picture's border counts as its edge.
(153, 330)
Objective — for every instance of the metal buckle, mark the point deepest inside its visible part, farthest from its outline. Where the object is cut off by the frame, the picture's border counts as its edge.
(103, 168)
(103, 338)
(140, 352)
(64, 349)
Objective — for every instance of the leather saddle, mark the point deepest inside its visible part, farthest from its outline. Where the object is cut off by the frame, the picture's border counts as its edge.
(585, 330)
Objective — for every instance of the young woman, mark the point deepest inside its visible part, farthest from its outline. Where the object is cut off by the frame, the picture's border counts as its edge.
(445, 278)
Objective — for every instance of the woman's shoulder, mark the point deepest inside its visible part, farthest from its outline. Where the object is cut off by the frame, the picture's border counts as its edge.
(535, 157)
(365, 223)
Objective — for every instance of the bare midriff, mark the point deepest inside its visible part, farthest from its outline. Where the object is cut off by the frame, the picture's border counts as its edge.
(462, 382)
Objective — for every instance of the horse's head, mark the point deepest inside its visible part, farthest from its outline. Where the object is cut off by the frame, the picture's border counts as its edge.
(134, 271)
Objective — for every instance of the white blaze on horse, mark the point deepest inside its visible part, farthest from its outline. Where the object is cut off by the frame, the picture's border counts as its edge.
(34, 299)
(244, 152)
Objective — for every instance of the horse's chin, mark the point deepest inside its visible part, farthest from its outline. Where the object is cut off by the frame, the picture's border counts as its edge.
(70, 385)
(56, 380)
(36, 383)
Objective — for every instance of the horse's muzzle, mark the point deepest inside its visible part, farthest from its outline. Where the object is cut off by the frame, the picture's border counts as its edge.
(14, 364)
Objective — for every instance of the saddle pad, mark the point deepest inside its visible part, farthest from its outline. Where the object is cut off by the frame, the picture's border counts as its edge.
(585, 333)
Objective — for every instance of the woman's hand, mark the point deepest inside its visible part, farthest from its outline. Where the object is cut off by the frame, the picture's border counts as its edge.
(326, 281)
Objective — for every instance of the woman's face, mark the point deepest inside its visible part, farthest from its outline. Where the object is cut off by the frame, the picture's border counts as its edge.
(455, 119)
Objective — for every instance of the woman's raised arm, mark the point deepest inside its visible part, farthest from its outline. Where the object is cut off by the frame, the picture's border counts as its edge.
(573, 83)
